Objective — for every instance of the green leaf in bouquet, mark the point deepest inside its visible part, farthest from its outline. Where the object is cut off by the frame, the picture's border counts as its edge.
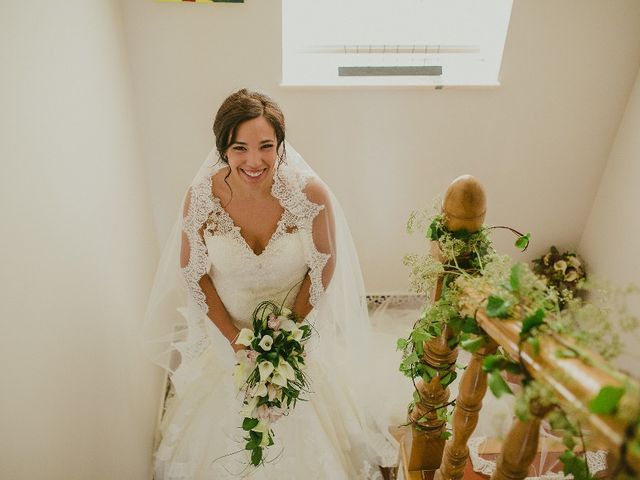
(401, 343)
(256, 456)
(249, 423)
(607, 400)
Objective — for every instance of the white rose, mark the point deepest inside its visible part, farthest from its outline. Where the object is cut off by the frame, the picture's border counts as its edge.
(285, 311)
(245, 338)
(265, 368)
(266, 343)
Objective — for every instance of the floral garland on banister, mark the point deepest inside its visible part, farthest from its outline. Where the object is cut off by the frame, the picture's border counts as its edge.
(503, 289)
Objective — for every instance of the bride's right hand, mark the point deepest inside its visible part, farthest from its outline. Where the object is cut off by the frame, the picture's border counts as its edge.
(236, 346)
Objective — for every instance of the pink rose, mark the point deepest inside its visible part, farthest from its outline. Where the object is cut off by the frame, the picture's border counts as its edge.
(274, 322)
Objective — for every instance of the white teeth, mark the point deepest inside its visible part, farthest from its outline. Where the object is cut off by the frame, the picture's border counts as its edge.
(254, 174)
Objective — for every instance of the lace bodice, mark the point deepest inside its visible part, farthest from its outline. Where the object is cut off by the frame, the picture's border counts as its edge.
(243, 279)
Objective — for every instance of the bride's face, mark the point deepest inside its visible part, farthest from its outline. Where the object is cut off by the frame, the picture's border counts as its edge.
(252, 156)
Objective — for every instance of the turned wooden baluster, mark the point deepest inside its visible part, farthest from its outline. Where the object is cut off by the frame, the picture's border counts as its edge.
(424, 447)
(464, 207)
(520, 447)
(473, 386)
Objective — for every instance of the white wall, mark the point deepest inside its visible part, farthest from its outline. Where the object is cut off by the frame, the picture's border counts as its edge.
(538, 142)
(611, 237)
(78, 248)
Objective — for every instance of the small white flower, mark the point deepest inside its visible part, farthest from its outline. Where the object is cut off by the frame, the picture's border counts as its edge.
(546, 259)
(560, 265)
(266, 343)
(265, 368)
(285, 311)
(245, 338)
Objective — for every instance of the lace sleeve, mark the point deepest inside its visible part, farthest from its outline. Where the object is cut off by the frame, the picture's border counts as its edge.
(194, 261)
(323, 260)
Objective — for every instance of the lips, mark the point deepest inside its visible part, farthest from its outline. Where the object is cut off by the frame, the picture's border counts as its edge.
(253, 175)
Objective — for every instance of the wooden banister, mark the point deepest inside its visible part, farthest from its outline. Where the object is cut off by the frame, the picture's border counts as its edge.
(575, 380)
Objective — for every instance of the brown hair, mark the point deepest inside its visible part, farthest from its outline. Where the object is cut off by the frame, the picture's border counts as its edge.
(239, 107)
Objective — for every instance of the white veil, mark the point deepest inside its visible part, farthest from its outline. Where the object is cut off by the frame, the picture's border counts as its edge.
(176, 329)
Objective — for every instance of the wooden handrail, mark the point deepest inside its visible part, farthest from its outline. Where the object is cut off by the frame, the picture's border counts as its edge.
(571, 379)
(574, 381)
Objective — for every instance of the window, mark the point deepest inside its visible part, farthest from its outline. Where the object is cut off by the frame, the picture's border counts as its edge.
(393, 42)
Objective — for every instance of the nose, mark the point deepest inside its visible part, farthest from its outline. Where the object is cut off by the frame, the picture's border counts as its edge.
(254, 159)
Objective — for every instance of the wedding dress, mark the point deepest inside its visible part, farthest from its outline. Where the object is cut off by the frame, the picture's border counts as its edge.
(334, 435)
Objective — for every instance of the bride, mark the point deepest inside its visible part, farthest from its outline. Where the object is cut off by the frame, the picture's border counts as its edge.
(258, 224)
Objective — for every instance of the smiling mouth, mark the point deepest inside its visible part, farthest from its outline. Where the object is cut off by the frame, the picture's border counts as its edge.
(253, 174)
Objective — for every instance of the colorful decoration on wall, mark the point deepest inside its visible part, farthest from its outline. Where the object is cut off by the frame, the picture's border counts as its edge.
(202, 1)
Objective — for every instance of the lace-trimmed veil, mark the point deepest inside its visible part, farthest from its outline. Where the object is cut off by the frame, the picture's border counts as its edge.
(176, 328)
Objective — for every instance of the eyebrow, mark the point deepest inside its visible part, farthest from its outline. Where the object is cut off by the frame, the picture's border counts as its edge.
(263, 141)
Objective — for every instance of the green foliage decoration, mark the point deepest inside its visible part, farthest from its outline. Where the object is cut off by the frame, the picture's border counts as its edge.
(514, 291)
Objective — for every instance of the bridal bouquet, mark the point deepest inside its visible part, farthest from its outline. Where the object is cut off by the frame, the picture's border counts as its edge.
(270, 372)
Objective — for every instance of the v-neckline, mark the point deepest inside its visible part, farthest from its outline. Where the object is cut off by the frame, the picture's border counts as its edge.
(238, 230)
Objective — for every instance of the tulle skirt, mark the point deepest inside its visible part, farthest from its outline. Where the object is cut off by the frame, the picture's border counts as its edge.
(322, 438)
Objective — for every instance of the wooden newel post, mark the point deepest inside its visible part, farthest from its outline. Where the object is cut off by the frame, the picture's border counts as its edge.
(464, 207)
